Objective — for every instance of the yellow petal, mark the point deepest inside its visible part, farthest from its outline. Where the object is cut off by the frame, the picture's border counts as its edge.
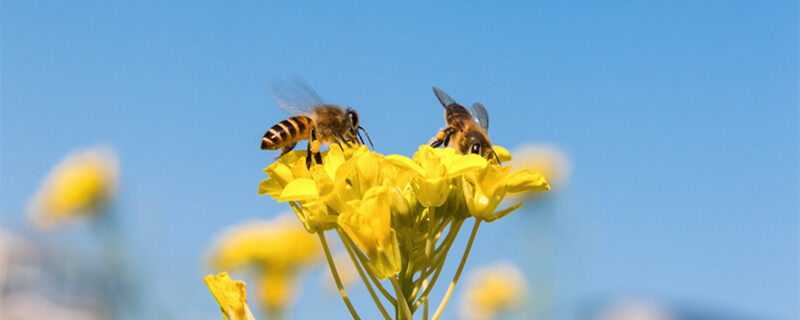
(368, 222)
(404, 163)
(271, 187)
(465, 164)
(299, 190)
(230, 296)
(280, 172)
(502, 153)
(526, 180)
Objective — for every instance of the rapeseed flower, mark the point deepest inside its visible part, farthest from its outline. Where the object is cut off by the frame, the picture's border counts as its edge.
(275, 251)
(492, 291)
(79, 187)
(396, 216)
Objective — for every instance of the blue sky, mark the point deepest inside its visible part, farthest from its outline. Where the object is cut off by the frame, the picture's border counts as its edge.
(680, 120)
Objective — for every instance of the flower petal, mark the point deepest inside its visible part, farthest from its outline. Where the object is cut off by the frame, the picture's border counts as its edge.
(404, 163)
(464, 164)
(230, 296)
(526, 180)
(502, 153)
(299, 190)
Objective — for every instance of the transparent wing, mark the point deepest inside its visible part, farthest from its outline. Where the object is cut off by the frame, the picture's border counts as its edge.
(443, 97)
(294, 95)
(479, 112)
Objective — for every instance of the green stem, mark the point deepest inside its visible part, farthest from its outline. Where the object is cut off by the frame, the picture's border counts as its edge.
(446, 244)
(401, 299)
(363, 259)
(363, 276)
(425, 309)
(453, 283)
(335, 274)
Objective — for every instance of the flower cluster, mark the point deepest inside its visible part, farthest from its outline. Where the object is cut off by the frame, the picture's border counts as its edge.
(276, 251)
(397, 216)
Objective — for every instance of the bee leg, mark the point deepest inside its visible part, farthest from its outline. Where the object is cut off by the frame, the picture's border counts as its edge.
(447, 137)
(313, 148)
(342, 140)
(443, 137)
(318, 158)
(286, 150)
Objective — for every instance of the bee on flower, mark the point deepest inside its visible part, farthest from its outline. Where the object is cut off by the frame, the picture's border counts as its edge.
(493, 290)
(82, 185)
(397, 217)
(275, 251)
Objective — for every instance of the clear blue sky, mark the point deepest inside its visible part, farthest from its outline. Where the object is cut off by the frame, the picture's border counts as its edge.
(681, 120)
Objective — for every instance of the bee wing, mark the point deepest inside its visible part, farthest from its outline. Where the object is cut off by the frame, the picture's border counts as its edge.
(480, 114)
(443, 97)
(294, 95)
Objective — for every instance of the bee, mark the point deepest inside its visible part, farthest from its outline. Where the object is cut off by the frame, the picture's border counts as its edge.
(467, 130)
(312, 120)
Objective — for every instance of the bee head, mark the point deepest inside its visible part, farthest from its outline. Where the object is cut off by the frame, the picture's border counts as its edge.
(352, 126)
(352, 119)
(477, 143)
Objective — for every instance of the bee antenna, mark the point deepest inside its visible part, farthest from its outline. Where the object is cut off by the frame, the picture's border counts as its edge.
(496, 157)
(368, 139)
(360, 139)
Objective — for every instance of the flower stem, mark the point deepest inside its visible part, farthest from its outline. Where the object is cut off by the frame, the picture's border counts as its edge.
(437, 268)
(425, 309)
(363, 276)
(336, 276)
(401, 299)
(370, 273)
(452, 287)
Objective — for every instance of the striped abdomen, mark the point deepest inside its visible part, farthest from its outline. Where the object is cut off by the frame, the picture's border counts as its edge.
(456, 115)
(287, 133)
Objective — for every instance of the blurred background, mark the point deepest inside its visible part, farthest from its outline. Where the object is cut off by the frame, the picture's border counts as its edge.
(674, 126)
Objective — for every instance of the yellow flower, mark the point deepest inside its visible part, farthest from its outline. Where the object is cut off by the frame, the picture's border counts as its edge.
(368, 223)
(378, 205)
(274, 245)
(315, 189)
(485, 189)
(230, 295)
(276, 250)
(277, 290)
(547, 160)
(432, 170)
(78, 187)
(493, 290)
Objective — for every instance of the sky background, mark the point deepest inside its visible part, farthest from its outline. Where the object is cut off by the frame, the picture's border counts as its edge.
(680, 120)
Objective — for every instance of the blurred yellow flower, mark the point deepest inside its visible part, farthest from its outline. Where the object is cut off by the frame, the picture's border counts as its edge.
(230, 295)
(276, 290)
(547, 160)
(492, 291)
(80, 186)
(275, 250)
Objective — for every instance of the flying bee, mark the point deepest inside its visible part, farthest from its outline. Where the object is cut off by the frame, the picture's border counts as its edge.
(312, 120)
(468, 130)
